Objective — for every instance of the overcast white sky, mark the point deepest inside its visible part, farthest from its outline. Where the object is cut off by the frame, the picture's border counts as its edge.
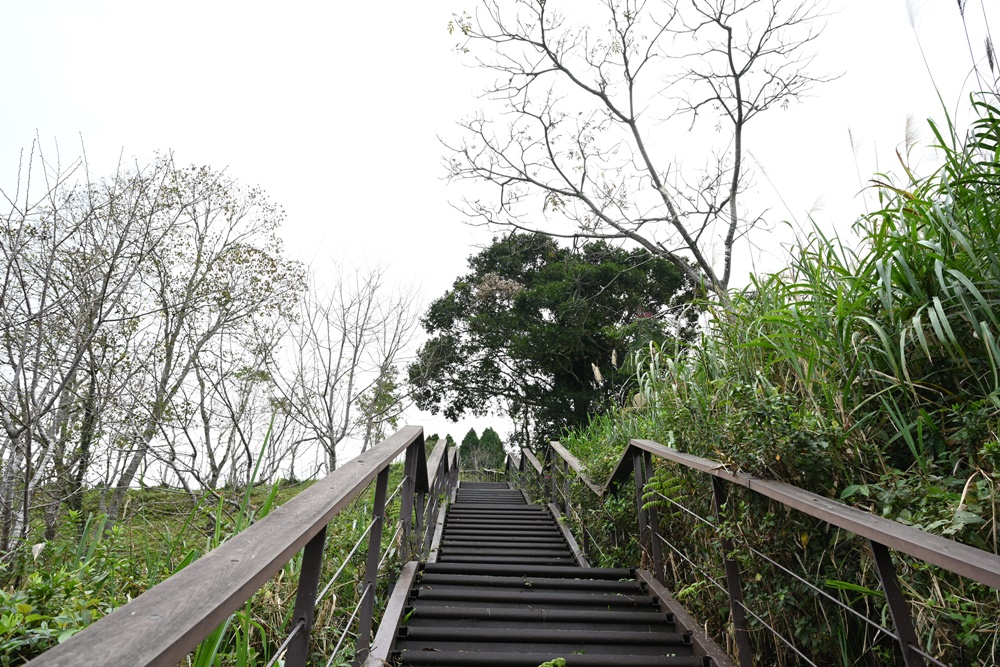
(334, 108)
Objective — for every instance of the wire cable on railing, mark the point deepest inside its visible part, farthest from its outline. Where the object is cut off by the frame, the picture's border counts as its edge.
(344, 563)
(809, 584)
(726, 591)
(280, 651)
(788, 571)
(691, 512)
(579, 520)
(347, 627)
(778, 635)
(388, 549)
(388, 501)
(694, 565)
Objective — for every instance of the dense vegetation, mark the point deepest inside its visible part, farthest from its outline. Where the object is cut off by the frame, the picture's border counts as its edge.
(868, 373)
(482, 452)
(151, 328)
(536, 331)
(152, 331)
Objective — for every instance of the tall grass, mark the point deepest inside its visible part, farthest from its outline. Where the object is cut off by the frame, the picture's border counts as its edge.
(867, 371)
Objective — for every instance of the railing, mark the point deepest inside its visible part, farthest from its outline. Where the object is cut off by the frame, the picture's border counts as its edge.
(484, 475)
(559, 468)
(164, 624)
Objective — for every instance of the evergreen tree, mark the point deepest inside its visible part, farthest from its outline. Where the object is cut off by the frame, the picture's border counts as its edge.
(470, 440)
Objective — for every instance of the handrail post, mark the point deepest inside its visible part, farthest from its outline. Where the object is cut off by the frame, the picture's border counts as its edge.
(371, 568)
(553, 483)
(898, 608)
(654, 521)
(430, 508)
(421, 500)
(406, 500)
(305, 600)
(566, 488)
(640, 488)
(733, 582)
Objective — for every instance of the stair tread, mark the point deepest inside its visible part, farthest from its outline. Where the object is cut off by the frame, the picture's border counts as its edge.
(507, 591)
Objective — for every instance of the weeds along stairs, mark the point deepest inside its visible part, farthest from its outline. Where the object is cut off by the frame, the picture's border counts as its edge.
(506, 587)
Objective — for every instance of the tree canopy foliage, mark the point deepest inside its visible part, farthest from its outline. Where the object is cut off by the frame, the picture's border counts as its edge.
(483, 452)
(540, 331)
(153, 329)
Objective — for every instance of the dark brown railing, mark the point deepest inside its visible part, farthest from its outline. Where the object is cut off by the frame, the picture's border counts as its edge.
(165, 623)
(554, 473)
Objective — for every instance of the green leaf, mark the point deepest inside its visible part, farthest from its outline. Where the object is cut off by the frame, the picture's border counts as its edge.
(855, 489)
(848, 586)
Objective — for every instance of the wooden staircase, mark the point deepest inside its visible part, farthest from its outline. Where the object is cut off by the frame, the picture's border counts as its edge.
(507, 590)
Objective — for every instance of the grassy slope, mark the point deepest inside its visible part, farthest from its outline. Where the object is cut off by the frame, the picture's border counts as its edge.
(81, 574)
(869, 374)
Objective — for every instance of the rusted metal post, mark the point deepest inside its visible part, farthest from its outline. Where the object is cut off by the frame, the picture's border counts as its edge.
(898, 608)
(640, 489)
(406, 500)
(733, 583)
(654, 521)
(305, 600)
(371, 567)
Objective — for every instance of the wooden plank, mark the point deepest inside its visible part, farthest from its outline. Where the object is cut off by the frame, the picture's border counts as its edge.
(166, 622)
(432, 554)
(962, 559)
(702, 644)
(434, 463)
(621, 473)
(530, 457)
(575, 464)
(385, 637)
(567, 534)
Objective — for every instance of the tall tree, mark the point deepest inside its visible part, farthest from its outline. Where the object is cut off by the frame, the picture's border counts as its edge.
(471, 439)
(482, 453)
(73, 258)
(538, 331)
(344, 347)
(219, 273)
(590, 100)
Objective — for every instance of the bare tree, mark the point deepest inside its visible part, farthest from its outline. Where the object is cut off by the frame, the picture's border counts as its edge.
(138, 318)
(71, 260)
(217, 274)
(220, 421)
(344, 348)
(582, 137)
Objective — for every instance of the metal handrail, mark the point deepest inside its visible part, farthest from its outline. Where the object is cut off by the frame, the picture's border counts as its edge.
(166, 622)
(882, 534)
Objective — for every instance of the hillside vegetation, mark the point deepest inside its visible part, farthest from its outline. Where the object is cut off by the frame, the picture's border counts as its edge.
(868, 372)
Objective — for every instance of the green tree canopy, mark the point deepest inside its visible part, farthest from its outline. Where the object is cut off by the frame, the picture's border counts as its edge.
(539, 331)
(484, 452)
(470, 439)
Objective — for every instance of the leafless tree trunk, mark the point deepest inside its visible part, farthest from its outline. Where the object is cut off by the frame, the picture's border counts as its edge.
(69, 271)
(217, 274)
(343, 345)
(581, 136)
